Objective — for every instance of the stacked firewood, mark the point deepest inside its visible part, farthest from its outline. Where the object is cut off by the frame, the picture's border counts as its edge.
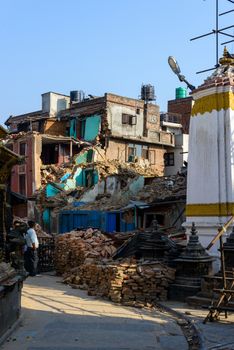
(72, 249)
(129, 282)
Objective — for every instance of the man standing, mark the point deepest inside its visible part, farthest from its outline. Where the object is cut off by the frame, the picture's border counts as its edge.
(32, 243)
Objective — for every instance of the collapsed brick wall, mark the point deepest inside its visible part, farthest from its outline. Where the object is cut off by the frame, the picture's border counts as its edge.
(118, 150)
(128, 282)
(72, 249)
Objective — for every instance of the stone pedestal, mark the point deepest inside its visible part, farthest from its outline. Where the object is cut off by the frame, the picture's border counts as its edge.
(10, 297)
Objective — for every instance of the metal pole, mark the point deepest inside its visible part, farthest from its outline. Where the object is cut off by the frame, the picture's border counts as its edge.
(223, 271)
(217, 33)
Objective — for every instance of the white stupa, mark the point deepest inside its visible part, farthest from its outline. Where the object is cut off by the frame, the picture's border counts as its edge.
(210, 186)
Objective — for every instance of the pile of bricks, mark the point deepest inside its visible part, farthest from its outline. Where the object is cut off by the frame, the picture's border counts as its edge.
(72, 249)
(128, 282)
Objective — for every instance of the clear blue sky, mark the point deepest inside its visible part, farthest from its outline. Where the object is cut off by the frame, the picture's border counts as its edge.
(101, 46)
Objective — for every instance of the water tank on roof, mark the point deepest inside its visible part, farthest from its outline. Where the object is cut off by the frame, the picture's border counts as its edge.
(181, 92)
(77, 96)
(147, 92)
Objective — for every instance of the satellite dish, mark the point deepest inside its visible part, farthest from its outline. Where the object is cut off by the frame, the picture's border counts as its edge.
(174, 65)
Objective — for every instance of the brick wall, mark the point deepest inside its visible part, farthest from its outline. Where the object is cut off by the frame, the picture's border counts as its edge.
(54, 127)
(24, 169)
(119, 150)
(182, 106)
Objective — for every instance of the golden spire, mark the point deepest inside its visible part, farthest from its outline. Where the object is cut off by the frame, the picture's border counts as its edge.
(227, 58)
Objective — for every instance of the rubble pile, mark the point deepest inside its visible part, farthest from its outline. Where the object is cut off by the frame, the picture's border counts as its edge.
(105, 168)
(113, 203)
(129, 282)
(53, 173)
(159, 189)
(39, 231)
(125, 170)
(73, 248)
(162, 188)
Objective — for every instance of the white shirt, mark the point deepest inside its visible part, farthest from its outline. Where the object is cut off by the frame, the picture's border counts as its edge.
(31, 238)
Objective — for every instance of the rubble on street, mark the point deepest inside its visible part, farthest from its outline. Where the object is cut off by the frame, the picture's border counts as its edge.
(72, 249)
(131, 282)
(84, 258)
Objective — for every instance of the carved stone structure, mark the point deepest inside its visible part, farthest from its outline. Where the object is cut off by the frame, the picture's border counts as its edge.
(191, 265)
(151, 244)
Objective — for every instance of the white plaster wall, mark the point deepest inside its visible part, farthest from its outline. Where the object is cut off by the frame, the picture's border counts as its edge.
(203, 182)
(211, 165)
(45, 102)
(90, 195)
(230, 153)
(210, 168)
(114, 116)
(181, 146)
(53, 103)
(112, 187)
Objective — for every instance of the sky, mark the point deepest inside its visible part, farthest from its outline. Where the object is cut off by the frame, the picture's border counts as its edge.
(102, 46)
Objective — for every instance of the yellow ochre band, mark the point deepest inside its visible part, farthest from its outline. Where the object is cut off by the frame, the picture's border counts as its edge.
(210, 209)
(216, 102)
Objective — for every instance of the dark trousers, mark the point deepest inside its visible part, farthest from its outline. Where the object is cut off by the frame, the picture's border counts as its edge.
(30, 261)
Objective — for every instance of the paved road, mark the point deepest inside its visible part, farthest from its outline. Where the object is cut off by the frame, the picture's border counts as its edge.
(57, 317)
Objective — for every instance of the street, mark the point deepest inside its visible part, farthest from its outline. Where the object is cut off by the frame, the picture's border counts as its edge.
(57, 317)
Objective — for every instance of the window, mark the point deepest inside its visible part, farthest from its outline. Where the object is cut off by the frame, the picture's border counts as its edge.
(138, 111)
(145, 152)
(131, 153)
(50, 153)
(22, 184)
(22, 148)
(81, 129)
(169, 159)
(128, 119)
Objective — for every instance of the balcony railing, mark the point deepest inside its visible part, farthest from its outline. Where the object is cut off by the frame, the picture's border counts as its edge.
(162, 137)
(171, 118)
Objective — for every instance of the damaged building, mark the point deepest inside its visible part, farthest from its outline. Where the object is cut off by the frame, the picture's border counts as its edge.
(65, 142)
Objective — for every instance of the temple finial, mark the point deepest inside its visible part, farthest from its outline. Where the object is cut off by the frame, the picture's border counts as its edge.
(227, 58)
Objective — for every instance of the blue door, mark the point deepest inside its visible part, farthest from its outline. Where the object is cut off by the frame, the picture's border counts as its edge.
(111, 222)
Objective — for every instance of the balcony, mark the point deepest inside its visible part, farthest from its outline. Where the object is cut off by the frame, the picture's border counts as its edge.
(174, 118)
(162, 137)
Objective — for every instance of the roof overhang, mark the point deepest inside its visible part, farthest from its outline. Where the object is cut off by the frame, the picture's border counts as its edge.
(50, 139)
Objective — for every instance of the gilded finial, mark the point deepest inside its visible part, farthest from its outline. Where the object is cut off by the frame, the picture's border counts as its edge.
(227, 58)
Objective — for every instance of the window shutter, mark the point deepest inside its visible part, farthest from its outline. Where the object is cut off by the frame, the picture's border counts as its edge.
(125, 118)
(133, 120)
